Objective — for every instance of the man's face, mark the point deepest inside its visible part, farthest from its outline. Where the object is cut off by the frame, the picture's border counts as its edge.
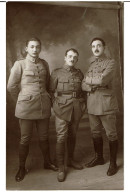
(71, 58)
(33, 48)
(97, 48)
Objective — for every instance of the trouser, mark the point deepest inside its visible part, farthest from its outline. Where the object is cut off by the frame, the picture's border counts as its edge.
(66, 135)
(26, 127)
(108, 122)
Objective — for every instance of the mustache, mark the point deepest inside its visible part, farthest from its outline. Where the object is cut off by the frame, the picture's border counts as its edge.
(96, 50)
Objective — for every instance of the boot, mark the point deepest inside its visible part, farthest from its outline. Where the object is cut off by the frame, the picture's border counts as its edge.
(98, 147)
(60, 151)
(113, 145)
(44, 146)
(71, 146)
(23, 153)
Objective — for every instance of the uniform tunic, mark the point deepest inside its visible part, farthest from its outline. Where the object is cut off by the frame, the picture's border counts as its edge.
(101, 100)
(67, 80)
(28, 84)
(100, 76)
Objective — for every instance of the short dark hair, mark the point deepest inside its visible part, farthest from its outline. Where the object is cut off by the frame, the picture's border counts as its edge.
(71, 49)
(33, 39)
(98, 38)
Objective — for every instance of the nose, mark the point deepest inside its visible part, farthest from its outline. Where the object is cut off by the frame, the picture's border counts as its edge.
(96, 47)
(34, 49)
(72, 58)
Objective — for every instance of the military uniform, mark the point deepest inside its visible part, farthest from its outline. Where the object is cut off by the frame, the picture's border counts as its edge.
(33, 100)
(28, 86)
(69, 100)
(68, 105)
(101, 100)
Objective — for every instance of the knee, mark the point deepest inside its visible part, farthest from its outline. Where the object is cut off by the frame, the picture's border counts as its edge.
(25, 140)
(61, 138)
(112, 137)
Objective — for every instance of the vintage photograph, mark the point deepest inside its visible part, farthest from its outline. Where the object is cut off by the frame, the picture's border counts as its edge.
(64, 80)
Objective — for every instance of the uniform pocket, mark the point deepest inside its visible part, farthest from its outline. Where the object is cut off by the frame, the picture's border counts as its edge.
(28, 73)
(61, 100)
(77, 80)
(109, 102)
(24, 98)
(63, 84)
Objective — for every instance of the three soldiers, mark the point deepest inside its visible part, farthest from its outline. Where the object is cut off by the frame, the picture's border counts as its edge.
(29, 86)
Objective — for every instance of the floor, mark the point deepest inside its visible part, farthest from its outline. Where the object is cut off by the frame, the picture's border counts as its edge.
(40, 179)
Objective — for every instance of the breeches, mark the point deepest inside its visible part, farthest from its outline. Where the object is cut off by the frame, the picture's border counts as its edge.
(108, 122)
(65, 128)
(26, 127)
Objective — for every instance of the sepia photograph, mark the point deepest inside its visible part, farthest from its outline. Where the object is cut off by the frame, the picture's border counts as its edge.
(64, 95)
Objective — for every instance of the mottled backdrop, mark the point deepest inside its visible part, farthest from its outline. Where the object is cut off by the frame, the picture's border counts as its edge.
(59, 28)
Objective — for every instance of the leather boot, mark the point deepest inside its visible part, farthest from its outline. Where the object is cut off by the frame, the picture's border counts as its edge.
(44, 146)
(98, 147)
(71, 146)
(113, 145)
(23, 152)
(60, 152)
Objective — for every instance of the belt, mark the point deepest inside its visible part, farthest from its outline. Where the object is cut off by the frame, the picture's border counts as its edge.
(99, 88)
(74, 94)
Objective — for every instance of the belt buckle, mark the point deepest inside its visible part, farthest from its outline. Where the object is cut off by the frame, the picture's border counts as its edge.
(74, 94)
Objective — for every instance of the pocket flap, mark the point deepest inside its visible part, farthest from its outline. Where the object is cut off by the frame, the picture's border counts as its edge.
(24, 98)
(62, 80)
(107, 94)
(77, 80)
(28, 73)
(61, 100)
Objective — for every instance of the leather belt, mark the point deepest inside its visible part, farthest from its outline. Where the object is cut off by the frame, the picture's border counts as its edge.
(74, 94)
(99, 88)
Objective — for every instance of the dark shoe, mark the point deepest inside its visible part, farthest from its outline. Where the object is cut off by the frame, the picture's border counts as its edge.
(112, 169)
(50, 166)
(113, 145)
(74, 164)
(20, 174)
(96, 161)
(61, 174)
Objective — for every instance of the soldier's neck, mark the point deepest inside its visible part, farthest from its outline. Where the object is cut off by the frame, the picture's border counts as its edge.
(33, 59)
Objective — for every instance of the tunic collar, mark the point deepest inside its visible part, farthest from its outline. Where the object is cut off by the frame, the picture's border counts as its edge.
(69, 68)
(34, 60)
(97, 59)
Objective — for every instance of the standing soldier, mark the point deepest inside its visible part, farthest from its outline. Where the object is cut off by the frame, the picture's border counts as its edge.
(69, 106)
(101, 104)
(28, 85)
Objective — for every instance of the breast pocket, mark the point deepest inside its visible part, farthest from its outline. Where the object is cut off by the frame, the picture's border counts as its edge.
(28, 75)
(109, 102)
(63, 84)
(77, 83)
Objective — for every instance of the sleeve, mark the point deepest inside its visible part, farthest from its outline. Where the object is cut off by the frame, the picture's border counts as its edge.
(53, 83)
(85, 86)
(105, 77)
(13, 85)
(48, 77)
